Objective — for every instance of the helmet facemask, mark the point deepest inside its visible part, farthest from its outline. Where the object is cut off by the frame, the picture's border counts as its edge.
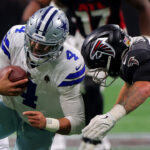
(100, 74)
(36, 59)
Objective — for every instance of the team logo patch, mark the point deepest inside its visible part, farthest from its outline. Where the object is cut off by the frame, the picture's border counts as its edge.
(132, 61)
(63, 26)
(47, 79)
(126, 41)
(101, 47)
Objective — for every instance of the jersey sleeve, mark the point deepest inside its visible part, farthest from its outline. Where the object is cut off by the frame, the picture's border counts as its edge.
(73, 107)
(142, 73)
(9, 43)
(4, 51)
(73, 69)
(74, 78)
(68, 73)
(135, 66)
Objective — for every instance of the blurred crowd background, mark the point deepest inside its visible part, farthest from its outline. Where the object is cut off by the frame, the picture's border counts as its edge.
(11, 13)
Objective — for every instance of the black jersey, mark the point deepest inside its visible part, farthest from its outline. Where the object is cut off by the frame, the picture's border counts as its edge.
(90, 14)
(136, 63)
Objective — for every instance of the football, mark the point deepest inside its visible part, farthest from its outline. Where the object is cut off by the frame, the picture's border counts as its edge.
(17, 73)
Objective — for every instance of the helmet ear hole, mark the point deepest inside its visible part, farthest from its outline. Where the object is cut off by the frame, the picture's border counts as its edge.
(114, 37)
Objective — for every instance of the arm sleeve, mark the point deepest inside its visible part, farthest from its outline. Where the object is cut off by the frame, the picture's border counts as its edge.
(10, 43)
(5, 51)
(73, 107)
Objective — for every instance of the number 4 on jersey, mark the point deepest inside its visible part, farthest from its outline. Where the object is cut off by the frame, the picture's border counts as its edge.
(71, 55)
(29, 97)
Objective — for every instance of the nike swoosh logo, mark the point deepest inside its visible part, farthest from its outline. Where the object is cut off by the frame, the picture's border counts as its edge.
(106, 117)
(77, 68)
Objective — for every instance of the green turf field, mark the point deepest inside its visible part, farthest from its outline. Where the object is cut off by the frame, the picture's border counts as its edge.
(137, 121)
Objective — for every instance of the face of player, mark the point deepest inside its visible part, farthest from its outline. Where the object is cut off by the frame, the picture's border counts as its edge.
(38, 49)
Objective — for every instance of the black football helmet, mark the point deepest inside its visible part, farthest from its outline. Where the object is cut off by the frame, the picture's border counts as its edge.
(103, 48)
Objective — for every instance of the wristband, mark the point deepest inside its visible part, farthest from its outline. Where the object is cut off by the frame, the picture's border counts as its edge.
(117, 112)
(52, 124)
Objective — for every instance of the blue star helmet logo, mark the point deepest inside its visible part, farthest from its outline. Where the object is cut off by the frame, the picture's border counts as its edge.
(63, 26)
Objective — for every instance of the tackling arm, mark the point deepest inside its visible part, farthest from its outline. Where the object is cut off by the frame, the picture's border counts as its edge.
(123, 92)
(129, 99)
(135, 95)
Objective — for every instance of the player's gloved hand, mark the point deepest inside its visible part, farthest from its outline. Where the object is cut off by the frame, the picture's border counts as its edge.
(101, 124)
(98, 127)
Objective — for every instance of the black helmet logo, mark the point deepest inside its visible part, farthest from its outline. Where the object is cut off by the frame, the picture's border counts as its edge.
(101, 48)
(133, 61)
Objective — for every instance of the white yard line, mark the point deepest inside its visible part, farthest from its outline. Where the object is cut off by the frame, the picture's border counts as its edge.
(127, 140)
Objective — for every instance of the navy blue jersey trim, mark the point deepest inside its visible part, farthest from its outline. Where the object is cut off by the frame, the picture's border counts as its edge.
(6, 41)
(70, 83)
(4, 48)
(77, 74)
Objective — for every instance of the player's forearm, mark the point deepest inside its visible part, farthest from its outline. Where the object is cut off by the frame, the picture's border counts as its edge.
(123, 92)
(135, 96)
(65, 126)
(61, 126)
(130, 98)
(118, 111)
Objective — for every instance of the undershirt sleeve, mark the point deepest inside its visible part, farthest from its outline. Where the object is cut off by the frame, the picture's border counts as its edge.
(73, 107)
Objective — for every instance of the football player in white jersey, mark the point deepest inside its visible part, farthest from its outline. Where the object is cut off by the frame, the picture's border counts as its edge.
(52, 102)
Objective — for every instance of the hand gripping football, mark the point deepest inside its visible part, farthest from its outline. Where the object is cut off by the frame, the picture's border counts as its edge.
(17, 73)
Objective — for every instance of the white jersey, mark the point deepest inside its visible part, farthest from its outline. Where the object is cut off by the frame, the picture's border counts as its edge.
(53, 88)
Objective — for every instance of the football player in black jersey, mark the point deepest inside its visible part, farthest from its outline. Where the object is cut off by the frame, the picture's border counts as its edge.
(110, 50)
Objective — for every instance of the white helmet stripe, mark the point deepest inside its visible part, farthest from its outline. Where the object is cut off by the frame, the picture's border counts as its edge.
(45, 19)
(49, 20)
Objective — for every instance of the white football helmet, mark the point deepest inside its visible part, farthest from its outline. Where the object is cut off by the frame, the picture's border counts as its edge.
(48, 27)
